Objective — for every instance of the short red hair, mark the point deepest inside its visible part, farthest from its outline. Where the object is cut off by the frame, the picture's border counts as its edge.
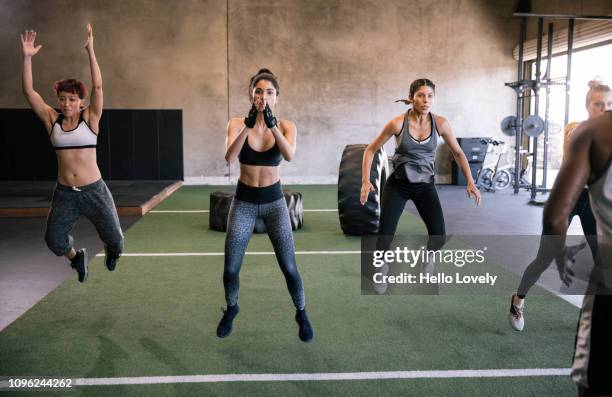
(72, 86)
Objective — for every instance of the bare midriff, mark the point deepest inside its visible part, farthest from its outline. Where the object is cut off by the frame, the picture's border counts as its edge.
(77, 167)
(258, 175)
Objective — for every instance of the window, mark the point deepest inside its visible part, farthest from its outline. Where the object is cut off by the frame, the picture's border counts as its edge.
(586, 65)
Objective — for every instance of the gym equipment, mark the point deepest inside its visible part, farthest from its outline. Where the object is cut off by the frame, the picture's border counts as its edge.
(524, 11)
(219, 210)
(475, 150)
(220, 205)
(508, 125)
(357, 219)
(533, 125)
(493, 178)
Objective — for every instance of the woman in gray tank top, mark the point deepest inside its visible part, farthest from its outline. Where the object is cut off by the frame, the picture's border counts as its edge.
(416, 133)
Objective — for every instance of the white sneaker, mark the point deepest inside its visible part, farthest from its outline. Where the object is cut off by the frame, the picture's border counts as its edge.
(516, 314)
(381, 288)
(428, 267)
(384, 269)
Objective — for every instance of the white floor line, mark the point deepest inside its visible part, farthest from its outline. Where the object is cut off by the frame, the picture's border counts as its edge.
(203, 211)
(246, 253)
(339, 252)
(575, 300)
(470, 373)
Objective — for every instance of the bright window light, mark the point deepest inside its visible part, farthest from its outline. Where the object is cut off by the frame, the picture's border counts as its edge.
(586, 65)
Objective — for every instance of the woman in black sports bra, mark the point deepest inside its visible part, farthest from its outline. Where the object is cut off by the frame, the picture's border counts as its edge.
(80, 189)
(260, 141)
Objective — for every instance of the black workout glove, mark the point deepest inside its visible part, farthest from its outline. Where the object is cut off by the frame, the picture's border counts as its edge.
(269, 117)
(249, 121)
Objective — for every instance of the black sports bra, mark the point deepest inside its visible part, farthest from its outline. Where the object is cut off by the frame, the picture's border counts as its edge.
(271, 157)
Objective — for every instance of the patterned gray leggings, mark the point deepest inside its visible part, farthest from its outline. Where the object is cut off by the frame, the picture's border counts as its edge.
(96, 203)
(240, 224)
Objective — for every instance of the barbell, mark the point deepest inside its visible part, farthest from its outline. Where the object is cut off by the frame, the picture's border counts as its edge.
(532, 125)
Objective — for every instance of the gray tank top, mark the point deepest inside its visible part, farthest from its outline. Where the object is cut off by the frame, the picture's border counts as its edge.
(415, 159)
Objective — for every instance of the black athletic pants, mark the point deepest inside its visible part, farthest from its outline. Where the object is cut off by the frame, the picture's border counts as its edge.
(583, 210)
(425, 197)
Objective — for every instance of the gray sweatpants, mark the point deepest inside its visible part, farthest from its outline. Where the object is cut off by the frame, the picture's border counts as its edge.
(95, 202)
(240, 224)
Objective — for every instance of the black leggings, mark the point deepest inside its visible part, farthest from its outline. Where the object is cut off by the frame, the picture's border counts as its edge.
(582, 209)
(425, 198)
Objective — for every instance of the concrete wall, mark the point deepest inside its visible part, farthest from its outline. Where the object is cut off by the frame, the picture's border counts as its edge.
(341, 65)
(153, 55)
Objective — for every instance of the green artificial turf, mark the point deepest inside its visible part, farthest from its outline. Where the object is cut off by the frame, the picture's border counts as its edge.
(156, 316)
